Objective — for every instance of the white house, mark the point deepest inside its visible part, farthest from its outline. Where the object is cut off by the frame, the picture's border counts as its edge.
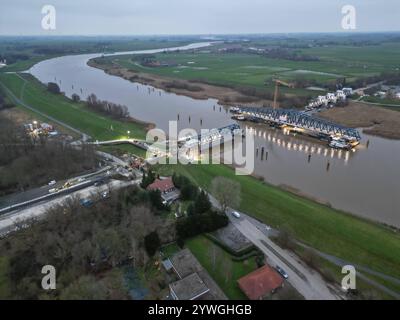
(331, 97)
(347, 91)
(340, 95)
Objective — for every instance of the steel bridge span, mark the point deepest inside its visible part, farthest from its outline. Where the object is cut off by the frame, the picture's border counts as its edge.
(301, 120)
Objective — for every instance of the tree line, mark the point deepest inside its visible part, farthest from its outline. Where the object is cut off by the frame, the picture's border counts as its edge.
(115, 110)
(26, 162)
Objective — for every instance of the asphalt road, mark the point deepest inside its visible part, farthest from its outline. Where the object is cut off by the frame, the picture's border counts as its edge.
(85, 137)
(307, 282)
(8, 221)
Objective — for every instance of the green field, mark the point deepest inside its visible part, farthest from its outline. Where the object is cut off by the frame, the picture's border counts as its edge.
(77, 115)
(222, 269)
(321, 227)
(24, 52)
(239, 69)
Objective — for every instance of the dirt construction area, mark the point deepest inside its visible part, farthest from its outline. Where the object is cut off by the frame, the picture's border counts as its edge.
(377, 121)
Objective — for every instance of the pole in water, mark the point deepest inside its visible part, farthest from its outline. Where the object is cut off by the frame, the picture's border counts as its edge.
(309, 158)
(328, 165)
(266, 156)
(178, 116)
(214, 107)
(201, 122)
(367, 143)
(257, 152)
(189, 119)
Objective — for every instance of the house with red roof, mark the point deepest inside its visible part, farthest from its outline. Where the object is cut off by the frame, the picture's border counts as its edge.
(169, 192)
(260, 283)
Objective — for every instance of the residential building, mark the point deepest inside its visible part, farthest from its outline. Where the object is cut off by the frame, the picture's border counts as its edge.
(260, 283)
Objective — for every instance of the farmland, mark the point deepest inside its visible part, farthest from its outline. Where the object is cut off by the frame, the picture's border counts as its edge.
(244, 69)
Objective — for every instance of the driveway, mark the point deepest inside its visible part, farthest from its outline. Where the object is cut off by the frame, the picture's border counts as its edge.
(307, 282)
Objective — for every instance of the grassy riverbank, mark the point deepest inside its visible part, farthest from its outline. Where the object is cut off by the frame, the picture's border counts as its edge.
(30, 91)
(321, 227)
(328, 230)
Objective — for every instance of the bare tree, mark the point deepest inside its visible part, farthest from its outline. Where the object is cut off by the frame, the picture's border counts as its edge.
(226, 191)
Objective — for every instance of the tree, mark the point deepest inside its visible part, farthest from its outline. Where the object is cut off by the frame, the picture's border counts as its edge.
(53, 87)
(75, 97)
(85, 288)
(285, 239)
(156, 200)
(202, 203)
(226, 191)
(147, 179)
(152, 243)
(189, 191)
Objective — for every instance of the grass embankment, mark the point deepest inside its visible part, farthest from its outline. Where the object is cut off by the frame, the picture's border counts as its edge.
(98, 126)
(326, 229)
(25, 64)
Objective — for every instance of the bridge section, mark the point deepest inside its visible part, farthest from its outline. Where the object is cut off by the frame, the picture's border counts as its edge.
(299, 119)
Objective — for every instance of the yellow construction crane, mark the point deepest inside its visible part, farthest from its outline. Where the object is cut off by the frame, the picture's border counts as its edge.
(277, 83)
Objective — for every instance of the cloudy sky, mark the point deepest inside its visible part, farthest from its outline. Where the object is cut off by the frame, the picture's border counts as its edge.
(135, 17)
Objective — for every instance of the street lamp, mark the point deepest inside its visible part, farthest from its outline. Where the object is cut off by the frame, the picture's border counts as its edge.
(128, 133)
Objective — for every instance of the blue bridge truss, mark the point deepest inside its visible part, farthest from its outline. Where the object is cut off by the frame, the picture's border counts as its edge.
(300, 120)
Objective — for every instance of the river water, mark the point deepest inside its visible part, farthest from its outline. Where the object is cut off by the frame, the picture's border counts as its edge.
(365, 182)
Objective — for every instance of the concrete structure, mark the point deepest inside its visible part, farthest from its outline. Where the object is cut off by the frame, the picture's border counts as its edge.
(260, 283)
(189, 288)
(194, 282)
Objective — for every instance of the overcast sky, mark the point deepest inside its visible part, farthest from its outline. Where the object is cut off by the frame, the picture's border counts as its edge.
(136, 17)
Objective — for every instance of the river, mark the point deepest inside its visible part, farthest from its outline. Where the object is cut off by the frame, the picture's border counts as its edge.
(365, 182)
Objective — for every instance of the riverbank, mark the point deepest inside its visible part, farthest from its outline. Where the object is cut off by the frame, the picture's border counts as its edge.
(192, 89)
(29, 90)
(323, 228)
(376, 120)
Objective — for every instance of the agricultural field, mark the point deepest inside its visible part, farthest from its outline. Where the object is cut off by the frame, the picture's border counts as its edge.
(245, 69)
(22, 53)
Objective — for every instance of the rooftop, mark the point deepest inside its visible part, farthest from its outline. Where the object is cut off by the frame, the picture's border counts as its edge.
(260, 282)
(162, 185)
(185, 263)
(188, 288)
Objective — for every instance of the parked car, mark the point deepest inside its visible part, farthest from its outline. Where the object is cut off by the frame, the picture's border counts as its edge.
(105, 194)
(236, 214)
(52, 182)
(99, 182)
(282, 272)
(53, 190)
(86, 203)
